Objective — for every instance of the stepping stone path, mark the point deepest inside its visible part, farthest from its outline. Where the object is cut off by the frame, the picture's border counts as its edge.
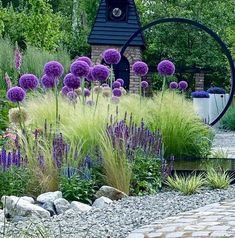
(224, 141)
(215, 220)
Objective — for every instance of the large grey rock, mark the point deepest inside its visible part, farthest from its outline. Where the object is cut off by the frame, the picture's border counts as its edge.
(49, 197)
(61, 205)
(110, 192)
(102, 202)
(80, 206)
(50, 207)
(29, 199)
(15, 206)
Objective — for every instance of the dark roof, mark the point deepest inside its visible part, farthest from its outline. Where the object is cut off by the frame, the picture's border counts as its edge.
(106, 32)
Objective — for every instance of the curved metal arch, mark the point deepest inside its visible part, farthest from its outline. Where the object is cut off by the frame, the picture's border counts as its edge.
(212, 34)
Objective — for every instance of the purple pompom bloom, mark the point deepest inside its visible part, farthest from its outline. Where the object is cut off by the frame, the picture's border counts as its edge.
(216, 90)
(80, 68)
(49, 82)
(144, 84)
(183, 85)
(173, 85)
(16, 94)
(71, 81)
(28, 81)
(90, 77)
(85, 59)
(121, 81)
(65, 90)
(140, 68)
(53, 69)
(166, 68)
(111, 56)
(87, 92)
(116, 84)
(100, 72)
(117, 92)
(200, 94)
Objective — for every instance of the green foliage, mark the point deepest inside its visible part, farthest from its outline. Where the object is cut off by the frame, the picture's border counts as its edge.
(219, 154)
(146, 175)
(218, 179)
(228, 121)
(5, 106)
(186, 185)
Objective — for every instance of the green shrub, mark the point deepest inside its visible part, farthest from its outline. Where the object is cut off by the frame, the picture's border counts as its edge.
(228, 121)
(186, 185)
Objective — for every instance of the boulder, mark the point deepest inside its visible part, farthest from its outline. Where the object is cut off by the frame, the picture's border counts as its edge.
(49, 197)
(15, 206)
(50, 207)
(102, 202)
(80, 206)
(61, 205)
(110, 192)
(29, 199)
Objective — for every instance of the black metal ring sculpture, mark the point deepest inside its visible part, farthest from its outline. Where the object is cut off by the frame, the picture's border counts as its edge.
(212, 34)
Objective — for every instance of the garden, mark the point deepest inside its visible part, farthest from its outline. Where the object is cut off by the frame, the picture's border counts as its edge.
(76, 147)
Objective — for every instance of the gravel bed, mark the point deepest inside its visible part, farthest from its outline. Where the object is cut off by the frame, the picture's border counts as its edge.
(120, 218)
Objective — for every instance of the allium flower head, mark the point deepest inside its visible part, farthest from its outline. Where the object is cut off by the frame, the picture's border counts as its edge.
(140, 68)
(78, 91)
(115, 100)
(100, 72)
(17, 116)
(16, 94)
(121, 81)
(98, 89)
(72, 81)
(104, 85)
(54, 69)
(48, 81)
(72, 96)
(18, 58)
(216, 90)
(117, 92)
(183, 85)
(111, 56)
(90, 77)
(87, 92)
(166, 68)
(28, 82)
(65, 90)
(117, 84)
(85, 59)
(144, 84)
(90, 103)
(200, 94)
(173, 85)
(80, 68)
(107, 92)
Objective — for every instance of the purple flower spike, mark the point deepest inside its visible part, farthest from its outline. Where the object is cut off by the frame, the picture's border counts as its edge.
(49, 82)
(85, 59)
(166, 68)
(183, 85)
(54, 69)
(140, 68)
(16, 94)
(117, 84)
(144, 84)
(90, 77)
(121, 81)
(18, 58)
(28, 82)
(8, 81)
(100, 72)
(117, 92)
(173, 85)
(71, 81)
(65, 90)
(87, 92)
(80, 68)
(111, 56)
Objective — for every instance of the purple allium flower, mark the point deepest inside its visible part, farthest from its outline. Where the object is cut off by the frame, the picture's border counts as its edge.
(100, 72)
(87, 92)
(140, 68)
(115, 100)
(80, 68)
(121, 81)
(85, 59)
(65, 90)
(28, 81)
(54, 69)
(200, 94)
(72, 81)
(216, 90)
(117, 92)
(16, 94)
(173, 85)
(18, 58)
(8, 81)
(117, 84)
(49, 82)
(111, 56)
(90, 77)
(166, 68)
(72, 96)
(144, 84)
(183, 85)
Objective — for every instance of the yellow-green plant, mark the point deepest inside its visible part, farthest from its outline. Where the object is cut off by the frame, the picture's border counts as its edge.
(187, 185)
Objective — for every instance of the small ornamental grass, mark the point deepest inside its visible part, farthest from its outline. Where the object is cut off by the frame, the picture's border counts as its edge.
(187, 185)
(228, 121)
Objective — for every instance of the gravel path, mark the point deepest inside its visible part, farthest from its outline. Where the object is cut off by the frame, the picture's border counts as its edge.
(120, 218)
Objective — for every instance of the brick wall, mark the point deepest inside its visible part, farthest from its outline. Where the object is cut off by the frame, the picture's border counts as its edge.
(132, 53)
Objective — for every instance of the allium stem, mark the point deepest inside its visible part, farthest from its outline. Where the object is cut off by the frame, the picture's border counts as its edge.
(97, 99)
(83, 87)
(111, 79)
(140, 91)
(56, 106)
(92, 91)
(163, 88)
(21, 120)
